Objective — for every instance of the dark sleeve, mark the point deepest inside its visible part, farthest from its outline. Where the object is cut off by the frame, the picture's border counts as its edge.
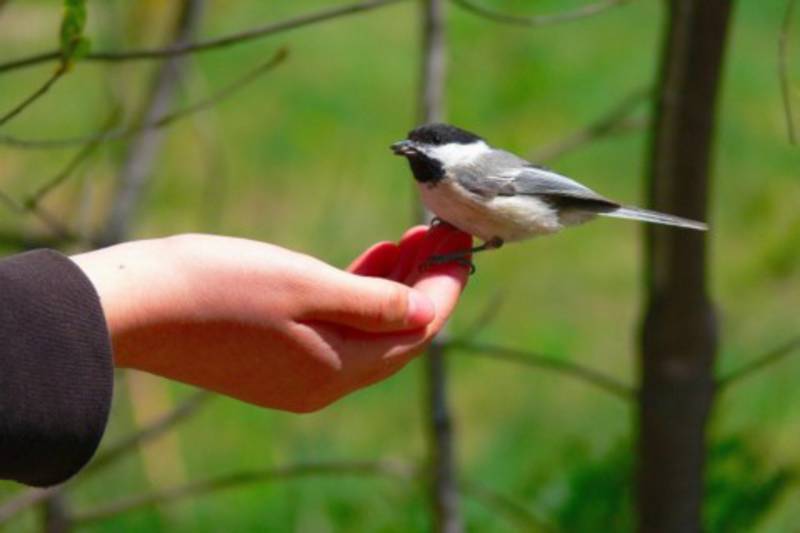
(56, 371)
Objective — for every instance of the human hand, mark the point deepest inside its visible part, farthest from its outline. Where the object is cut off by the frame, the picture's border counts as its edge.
(270, 326)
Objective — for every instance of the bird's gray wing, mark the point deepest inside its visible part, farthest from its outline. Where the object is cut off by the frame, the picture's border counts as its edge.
(491, 174)
(554, 188)
(501, 173)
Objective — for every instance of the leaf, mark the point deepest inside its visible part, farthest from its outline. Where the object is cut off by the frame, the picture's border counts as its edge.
(73, 43)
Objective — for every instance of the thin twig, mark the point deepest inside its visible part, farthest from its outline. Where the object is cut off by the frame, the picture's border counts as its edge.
(613, 121)
(759, 363)
(539, 20)
(32, 201)
(581, 138)
(391, 469)
(56, 514)
(522, 517)
(211, 44)
(25, 500)
(783, 69)
(161, 122)
(15, 241)
(60, 232)
(215, 165)
(112, 453)
(588, 375)
(483, 319)
(38, 93)
(226, 91)
(10, 203)
(58, 228)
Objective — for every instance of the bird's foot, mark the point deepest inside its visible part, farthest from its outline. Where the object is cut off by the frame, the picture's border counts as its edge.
(459, 258)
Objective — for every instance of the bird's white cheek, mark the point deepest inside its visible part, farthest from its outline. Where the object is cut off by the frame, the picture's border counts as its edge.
(454, 154)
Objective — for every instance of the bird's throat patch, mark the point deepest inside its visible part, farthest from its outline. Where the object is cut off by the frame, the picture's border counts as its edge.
(425, 169)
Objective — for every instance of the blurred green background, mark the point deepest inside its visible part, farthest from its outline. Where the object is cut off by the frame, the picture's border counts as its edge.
(300, 158)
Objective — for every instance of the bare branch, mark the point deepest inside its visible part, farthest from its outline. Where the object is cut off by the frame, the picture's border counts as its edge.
(441, 448)
(441, 471)
(588, 375)
(400, 471)
(38, 93)
(140, 155)
(540, 20)
(211, 44)
(161, 122)
(783, 69)
(391, 469)
(759, 363)
(30, 61)
(615, 120)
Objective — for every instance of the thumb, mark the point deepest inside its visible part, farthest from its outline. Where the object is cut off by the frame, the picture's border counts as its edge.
(371, 304)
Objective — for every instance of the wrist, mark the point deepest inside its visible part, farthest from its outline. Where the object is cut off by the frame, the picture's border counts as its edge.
(133, 281)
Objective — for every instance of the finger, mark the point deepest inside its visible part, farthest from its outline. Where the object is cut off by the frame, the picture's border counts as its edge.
(443, 284)
(441, 239)
(369, 304)
(408, 248)
(376, 261)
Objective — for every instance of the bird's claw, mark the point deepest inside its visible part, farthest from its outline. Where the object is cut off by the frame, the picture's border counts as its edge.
(444, 259)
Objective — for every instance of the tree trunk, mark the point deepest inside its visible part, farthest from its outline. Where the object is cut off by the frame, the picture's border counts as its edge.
(679, 334)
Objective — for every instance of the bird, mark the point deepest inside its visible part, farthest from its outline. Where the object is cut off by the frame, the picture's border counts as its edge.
(500, 197)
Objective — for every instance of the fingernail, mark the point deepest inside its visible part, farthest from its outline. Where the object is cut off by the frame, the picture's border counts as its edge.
(420, 309)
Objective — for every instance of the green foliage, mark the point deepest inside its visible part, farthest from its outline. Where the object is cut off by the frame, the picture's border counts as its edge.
(74, 45)
(782, 257)
(741, 486)
(599, 492)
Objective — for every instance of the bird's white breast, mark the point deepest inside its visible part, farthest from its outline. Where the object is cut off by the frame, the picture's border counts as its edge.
(511, 218)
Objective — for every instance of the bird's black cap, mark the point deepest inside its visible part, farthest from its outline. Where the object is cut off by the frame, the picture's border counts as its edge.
(439, 134)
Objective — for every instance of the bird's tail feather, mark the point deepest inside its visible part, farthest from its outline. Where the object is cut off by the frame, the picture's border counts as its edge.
(635, 213)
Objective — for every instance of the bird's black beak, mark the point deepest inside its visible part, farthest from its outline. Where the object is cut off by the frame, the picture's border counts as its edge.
(404, 148)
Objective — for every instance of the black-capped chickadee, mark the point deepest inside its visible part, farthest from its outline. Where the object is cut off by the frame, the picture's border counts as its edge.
(499, 197)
